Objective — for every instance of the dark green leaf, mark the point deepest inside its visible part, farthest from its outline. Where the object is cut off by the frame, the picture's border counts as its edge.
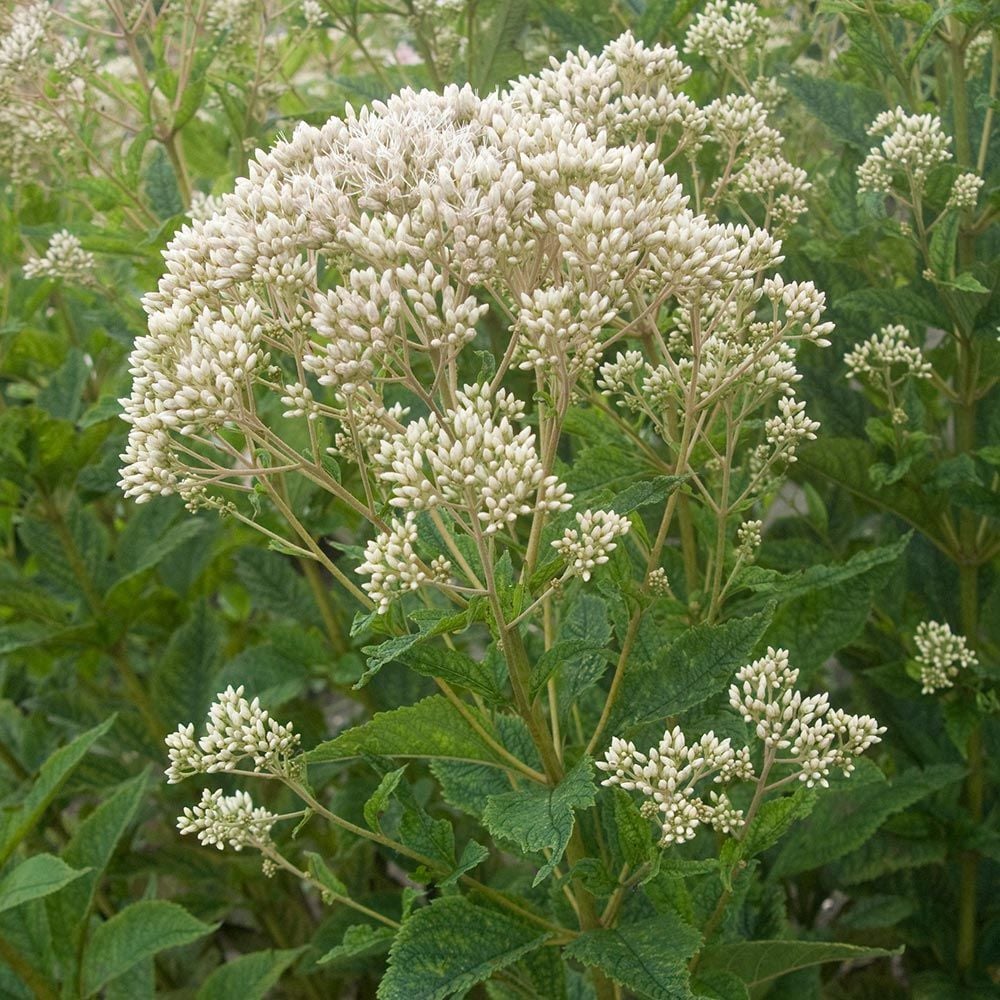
(447, 947)
(431, 728)
(17, 822)
(649, 957)
(696, 666)
(249, 977)
(757, 962)
(537, 819)
(37, 876)
(139, 931)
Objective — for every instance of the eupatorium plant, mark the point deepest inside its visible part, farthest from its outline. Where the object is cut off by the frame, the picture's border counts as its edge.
(519, 372)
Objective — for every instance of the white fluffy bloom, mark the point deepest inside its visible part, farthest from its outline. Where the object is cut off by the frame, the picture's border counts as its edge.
(790, 427)
(392, 564)
(228, 821)
(887, 356)
(64, 258)
(237, 730)
(913, 146)
(471, 459)
(941, 655)
(724, 28)
(668, 774)
(591, 542)
(799, 730)
(965, 191)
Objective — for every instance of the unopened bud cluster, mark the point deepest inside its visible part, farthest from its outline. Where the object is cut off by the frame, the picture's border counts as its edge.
(228, 821)
(64, 258)
(238, 730)
(941, 655)
(800, 734)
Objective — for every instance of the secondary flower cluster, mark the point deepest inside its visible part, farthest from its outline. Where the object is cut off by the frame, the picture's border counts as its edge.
(797, 732)
(237, 730)
(941, 655)
(64, 258)
(912, 146)
(887, 358)
(228, 821)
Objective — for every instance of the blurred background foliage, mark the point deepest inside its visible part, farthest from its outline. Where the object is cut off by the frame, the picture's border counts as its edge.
(118, 621)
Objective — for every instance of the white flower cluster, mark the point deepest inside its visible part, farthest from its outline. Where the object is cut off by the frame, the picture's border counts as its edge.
(965, 191)
(668, 775)
(813, 738)
(228, 821)
(471, 459)
(591, 542)
(64, 259)
(789, 428)
(797, 732)
(887, 357)
(724, 28)
(392, 564)
(941, 655)
(748, 538)
(237, 730)
(913, 145)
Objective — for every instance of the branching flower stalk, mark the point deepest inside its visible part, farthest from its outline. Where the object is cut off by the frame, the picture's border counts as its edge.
(320, 323)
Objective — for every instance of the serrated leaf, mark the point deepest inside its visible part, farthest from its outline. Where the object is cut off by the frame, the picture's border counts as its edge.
(943, 244)
(537, 819)
(757, 962)
(34, 878)
(447, 947)
(379, 801)
(432, 728)
(473, 855)
(848, 816)
(774, 819)
(17, 822)
(649, 957)
(248, 977)
(700, 663)
(139, 931)
(846, 109)
(360, 941)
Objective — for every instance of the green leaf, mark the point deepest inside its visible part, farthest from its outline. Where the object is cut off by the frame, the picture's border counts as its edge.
(447, 947)
(943, 244)
(360, 941)
(138, 932)
(432, 728)
(846, 109)
(696, 666)
(587, 621)
(18, 822)
(455, 667)
(537, 819)
(91, 846)
(248, 977)
(38, 876)
(379, 800)
(161, 186)
(846, 462)
(324, 874)
(848, 815)
(649, 957)
(473, 855)
(756, 962)
(496, 41)
(633, 833)
(183, 678)
(775, 818)
(563, 656)
(63, 396)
